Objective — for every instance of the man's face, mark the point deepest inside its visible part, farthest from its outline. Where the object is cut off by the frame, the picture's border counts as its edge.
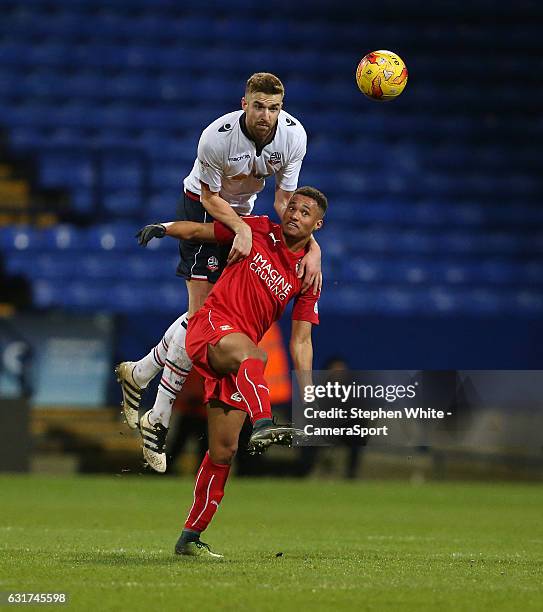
(302, 217)
(261, 113)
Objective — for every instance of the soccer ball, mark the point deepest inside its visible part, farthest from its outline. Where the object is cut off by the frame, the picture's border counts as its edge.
(381, 75)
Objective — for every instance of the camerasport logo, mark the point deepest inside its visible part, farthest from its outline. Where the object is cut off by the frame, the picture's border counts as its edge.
(213, 264)
(274, 280)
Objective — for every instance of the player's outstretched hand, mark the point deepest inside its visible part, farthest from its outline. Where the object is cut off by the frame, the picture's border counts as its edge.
(147, 233)
(241, 247)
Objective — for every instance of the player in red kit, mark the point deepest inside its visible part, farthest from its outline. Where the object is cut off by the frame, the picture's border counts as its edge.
(223, 337)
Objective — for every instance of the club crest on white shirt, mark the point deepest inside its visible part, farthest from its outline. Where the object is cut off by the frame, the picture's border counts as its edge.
(276, 159)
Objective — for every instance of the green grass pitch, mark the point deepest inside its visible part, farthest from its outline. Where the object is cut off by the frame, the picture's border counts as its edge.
(108, 542)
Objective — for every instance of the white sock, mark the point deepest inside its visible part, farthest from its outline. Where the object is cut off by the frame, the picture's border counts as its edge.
(176, 369)
(149, 366)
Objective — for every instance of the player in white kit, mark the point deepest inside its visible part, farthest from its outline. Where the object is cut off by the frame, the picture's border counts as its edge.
(236, 153)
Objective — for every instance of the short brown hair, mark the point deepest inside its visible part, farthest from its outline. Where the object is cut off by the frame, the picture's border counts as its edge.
(264, 82)
(314, 194)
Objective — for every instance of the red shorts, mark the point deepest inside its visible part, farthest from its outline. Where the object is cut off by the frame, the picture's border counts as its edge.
(205, 328)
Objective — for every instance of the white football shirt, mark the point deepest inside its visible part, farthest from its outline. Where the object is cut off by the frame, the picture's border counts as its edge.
(229, 162)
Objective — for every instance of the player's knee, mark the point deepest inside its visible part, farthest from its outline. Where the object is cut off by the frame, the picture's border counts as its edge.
(262, 355)
(253, 353)
(223, 454)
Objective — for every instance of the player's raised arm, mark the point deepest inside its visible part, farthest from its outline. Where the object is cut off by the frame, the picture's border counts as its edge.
(183, 230)
(286, 180)
(301, 351)
(220, 210)
(281, 200)
(311, 268)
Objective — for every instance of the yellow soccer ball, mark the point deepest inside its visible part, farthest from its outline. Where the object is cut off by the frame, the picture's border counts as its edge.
(381, 75)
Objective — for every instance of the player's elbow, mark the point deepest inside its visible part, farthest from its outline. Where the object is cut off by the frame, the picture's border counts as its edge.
(205, 197)
(301, 345)
(208, 199)
(191, 233)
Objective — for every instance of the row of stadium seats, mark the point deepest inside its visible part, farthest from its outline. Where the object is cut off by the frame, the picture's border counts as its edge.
(168, 118)
(168, 8)
(163, 151)
(130, 201)
(368, 270)
(170, 296)
(70, 22)
(98, 64)
(122, 92)
(103, 268)
(337, 240)
(128, 173)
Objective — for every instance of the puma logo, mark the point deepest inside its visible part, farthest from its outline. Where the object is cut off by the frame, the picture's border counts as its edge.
(275, 240)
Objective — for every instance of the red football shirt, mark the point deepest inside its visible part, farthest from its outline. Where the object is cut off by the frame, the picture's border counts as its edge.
(254, 292)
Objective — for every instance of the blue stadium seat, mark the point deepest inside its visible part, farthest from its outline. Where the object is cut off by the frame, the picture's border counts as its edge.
(63, 238)
(47, 294)
(21, 238)
(59, 169)
(164, 176)
(163, 205)
(121, 174)
(122, 203)
(118, 237)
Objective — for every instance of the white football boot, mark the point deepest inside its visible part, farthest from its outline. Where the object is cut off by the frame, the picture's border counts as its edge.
(154, 442)
(131, 393)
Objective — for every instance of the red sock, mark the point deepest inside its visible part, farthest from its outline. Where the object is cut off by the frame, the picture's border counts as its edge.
(254, 390)
(208, 492)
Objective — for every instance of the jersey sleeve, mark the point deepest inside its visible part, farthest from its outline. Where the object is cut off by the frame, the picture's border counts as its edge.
(306, 307)
(287, 178)
(259, 223)
(209, 163)
(223, 234)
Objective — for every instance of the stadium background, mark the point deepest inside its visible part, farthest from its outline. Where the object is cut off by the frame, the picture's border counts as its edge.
(432, 245)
